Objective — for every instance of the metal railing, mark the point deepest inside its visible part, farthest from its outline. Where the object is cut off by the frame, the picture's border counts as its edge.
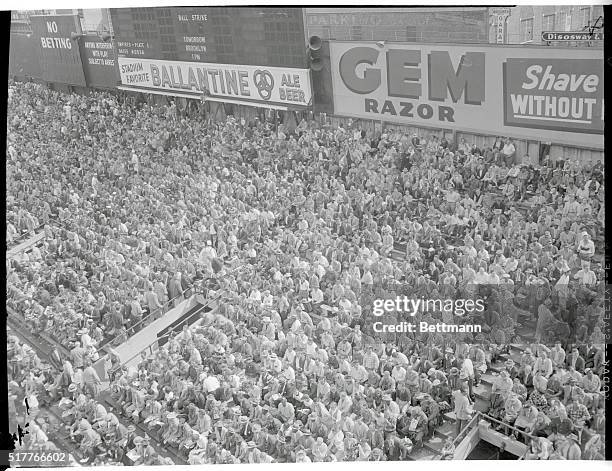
(150, 345)
(163, 309)
(474, 421)
(465, 430)
(24, 236)
(488, 418)
(504, 424)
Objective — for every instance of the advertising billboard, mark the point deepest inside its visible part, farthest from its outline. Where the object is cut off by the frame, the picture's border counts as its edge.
(558, 94)
(271, 36)
(274, 86)
(498, 90)
(99, 61)
(58, 49)
(23, 57)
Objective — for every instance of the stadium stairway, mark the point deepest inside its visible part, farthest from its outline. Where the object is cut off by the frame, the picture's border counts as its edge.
(44, 344)
(161, 449)
(25, 245)
(431, 449)
(185, 312)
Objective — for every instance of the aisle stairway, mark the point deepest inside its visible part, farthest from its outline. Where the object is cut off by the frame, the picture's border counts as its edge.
(432, 447)
(44, 343)
(430, 450)
(57, 431)
(142, 430)
(25, 245)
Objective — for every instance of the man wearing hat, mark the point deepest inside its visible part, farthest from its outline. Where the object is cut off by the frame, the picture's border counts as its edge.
(568, 447)
(91, 380)
(586, 247)
(578, 414)
(454, 381)
(127, 440)
(319, 450)
(592, 389)
(245, 428)
(77, 355)
(585, 275)
(463, 409)
(147, 454)
(90, 442)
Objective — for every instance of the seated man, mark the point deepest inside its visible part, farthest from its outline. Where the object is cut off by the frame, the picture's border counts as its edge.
(502, 386)
(147, 454)
(578, 414)
(592, 389)
(512, 407)
(418, 426)
(90, 444)
(526, 420)
(396, 448)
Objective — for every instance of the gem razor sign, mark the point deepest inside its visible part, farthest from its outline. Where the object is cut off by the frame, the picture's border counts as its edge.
(473, 88)
(243, 83)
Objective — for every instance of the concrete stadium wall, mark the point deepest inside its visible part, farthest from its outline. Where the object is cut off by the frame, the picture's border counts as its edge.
(523, 147)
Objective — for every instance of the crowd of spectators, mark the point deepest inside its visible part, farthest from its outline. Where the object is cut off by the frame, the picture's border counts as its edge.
(300, 229)
(30, 429)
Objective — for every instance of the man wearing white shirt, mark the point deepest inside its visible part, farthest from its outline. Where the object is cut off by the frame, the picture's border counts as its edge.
(211, 384)
(267, 298)
(586, 247)
(399, 357)
(509, 152)
(316, 295)
(286, 410)
(467, 373)
(481, 277)
(557, 355)
(398, 373)
(275, 365)
(543, 365)
(586, 276)
(255, 295)
(358, 372)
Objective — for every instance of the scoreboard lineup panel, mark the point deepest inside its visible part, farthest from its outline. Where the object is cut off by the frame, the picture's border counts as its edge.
(227, 35)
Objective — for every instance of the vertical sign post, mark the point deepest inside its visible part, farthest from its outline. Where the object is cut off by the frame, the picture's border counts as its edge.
(500, 14)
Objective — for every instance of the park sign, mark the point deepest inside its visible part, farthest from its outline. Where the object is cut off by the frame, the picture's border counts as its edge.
(480, 89)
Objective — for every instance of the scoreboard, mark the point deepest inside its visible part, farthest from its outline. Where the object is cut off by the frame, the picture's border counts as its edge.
(226, 35)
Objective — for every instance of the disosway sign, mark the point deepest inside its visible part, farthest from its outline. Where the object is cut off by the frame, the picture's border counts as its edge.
(242, 83)
(470, 88)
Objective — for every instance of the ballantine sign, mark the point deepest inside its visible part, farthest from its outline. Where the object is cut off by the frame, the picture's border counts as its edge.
(243, 83)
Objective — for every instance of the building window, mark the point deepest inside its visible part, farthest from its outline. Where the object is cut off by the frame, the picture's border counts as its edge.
(584, 18)
(597, 13)
(356, 33)
(411, 33)
(548, 22)
(562, 21)
(527, 30)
